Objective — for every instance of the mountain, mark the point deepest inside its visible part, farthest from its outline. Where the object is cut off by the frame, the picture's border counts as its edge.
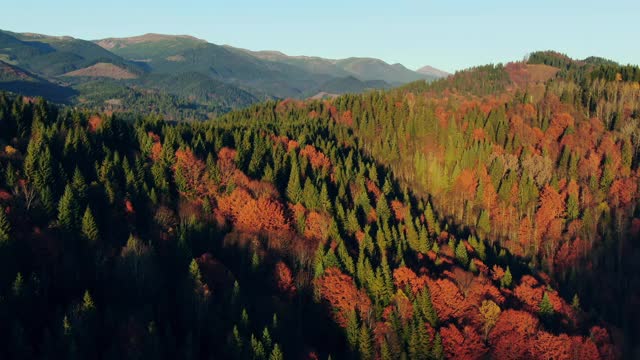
(172, 55)
(53, 56)
(375, 69)
(185, 69)
(15, 79)
(349, 84)
(431, 71)
(473, 217)
(364, 69)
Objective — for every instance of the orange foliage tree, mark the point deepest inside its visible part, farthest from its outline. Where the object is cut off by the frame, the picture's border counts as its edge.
(465, 344)
(343, 295)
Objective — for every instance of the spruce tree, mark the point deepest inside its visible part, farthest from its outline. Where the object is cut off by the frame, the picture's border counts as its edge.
(294, 189)
(461, 253)
(352, 330)
(546, 309)
(365, 347)
(266, 338)
(5, 227)
(276, 354)
(87, 302)
(425, 307)
(506, 279)
(438, 350)
(382, 209)
(68, 210)
(89, 227)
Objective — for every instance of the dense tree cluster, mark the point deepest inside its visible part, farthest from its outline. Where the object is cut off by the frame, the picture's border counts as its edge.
(452, 220)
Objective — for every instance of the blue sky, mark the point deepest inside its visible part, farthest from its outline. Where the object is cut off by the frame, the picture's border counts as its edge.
(449, 35)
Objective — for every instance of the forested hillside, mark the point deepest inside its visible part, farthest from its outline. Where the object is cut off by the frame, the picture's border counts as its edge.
(475, 217)
(188, 78)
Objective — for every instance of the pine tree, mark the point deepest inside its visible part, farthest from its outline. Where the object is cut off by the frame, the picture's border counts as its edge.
(437, 351)
(79, 186)
(18, 285)
(310, 195)
(432, 223)
(194, 272)
(266, 337)
(352, 330)
(68, 210)
(506, 279)
(382, 209)
(364, 343)
(87, 302)
(276, 354)
(5, 227)
(484, 224)
(255, 261)
(575, 303)
(66, 326)
(385, 352)
(89, 227)
(325, 201)
(257, 348)
(546, 309)
(236, 340)
(294, 189)
(425, 307)
(418, 343)
(461, 254)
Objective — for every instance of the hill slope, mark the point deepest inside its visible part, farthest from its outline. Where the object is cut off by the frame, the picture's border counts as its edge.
(461, 219)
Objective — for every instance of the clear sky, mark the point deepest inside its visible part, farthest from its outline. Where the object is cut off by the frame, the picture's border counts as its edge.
(449, 35)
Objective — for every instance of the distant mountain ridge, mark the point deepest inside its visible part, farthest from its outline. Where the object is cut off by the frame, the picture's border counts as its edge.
(191, 70)
(363, 68)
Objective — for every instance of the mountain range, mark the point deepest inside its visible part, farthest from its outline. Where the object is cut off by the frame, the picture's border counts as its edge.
(110, 74)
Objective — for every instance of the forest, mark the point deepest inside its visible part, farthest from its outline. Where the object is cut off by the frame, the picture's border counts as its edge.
(488, 215)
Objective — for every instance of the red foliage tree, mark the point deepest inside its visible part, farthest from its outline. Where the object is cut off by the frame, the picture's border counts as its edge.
(317, 159)
(284, 279)
(464, 345)
(513, 334)
(343, 295)
(447, 299)
(403, 277)
(193, 175)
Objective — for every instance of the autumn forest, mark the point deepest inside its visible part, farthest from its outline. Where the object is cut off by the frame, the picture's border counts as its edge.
(490, 214)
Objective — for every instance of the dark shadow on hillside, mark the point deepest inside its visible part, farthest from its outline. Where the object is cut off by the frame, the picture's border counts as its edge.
(49, 91)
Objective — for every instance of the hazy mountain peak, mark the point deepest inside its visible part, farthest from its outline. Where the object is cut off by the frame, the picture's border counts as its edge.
(110, 43)
(430, 70)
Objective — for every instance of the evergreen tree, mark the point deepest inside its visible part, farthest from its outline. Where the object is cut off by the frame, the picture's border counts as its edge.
(87, 302)
(68, 210)
(276, 354)
(461, 253)
(382, 209)
(266, 338)
(425, 307)
(506, 279)
(89, 227)
(546, 309)
(432, 223)
(438, 350)
(79, 186)
(18, 285)
(365, 347)
(294, 189)
(325, 201)
(575, 303)
(5, 227)
(352, 330)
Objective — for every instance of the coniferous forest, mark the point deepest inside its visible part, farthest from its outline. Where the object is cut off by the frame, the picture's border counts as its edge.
(491, 214)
